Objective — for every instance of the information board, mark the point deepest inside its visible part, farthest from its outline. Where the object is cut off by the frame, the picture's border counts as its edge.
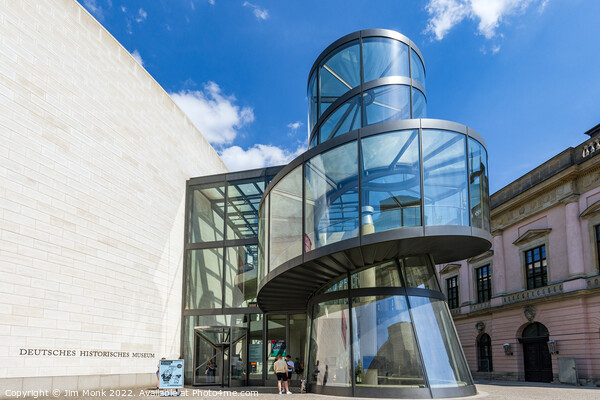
(170, 374)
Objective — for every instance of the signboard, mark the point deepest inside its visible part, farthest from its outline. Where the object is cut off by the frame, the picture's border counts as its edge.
(170, 374)
(255, 352)
(277, 348)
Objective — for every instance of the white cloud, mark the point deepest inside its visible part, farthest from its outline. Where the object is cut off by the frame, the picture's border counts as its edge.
(136, 54)
(94, 8)
(445, 14)
(215, 114)
(258, 156)
(142, 15)
(211, 2)
(293, 127)
(124, 9)
(260, 13)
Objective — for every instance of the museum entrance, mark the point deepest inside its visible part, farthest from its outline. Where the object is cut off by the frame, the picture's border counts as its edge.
(536, 356)
(219, 356)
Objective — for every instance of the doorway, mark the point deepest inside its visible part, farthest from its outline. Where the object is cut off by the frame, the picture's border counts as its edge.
(219, 356)
(536, 356)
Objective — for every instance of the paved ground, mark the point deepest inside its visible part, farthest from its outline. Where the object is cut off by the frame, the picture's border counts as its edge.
(497, 390)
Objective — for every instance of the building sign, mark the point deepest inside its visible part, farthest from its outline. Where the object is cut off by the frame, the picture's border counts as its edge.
(170, 374)
(82, 353)
(277, 348)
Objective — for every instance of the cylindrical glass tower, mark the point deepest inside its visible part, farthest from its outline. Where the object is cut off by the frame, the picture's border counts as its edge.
(349, 231)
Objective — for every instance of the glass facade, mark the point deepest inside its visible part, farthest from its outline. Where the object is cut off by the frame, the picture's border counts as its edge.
(331, 259)
(331, 113)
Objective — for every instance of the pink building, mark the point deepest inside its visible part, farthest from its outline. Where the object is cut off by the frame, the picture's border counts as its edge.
(529, 309)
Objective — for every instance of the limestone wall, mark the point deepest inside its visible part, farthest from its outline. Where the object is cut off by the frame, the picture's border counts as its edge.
(94, 157)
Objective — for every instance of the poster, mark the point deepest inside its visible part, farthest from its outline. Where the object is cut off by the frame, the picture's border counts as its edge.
(277, 348)
(170, 374)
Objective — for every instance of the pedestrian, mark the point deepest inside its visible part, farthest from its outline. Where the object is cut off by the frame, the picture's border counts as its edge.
(280, 368)
(210, 371)
(290, 364)
(299, 368)
(158, 372)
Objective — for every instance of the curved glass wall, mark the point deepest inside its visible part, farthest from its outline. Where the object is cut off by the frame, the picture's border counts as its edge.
(391, 181)
(401, 338)
(445, 197)
(345, 119)
(339, 73)
(331, 196)
(403, 178)
(285, 221)
(383, 58)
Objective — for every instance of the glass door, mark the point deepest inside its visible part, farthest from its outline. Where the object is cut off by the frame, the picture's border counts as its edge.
(211, 355)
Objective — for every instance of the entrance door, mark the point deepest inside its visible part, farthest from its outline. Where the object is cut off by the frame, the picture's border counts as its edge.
(211, 356)
(536, 356)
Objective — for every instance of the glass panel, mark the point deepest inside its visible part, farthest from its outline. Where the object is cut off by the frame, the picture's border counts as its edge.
(312, 101)
(340, 73)
(385, 350)
(478, 184)
(243, 198)
(238, 356)
(382, 275)
(345, 119)
(263, 244)
(445, 178)
(384, 57)
(207, 209)
(334, 286)
(419, 104)
(286, 219)
(444, 360)
(419, 273)
(416, 65)
(313, 141)
(275, 342)
(298, 344)
(255, 346)
(330, 344)
(391, 181)
(204, 279)
(331, 196)
(240, 276)
(386, 103)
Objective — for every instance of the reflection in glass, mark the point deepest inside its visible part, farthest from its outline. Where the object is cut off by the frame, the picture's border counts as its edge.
(386, 103)
(383, 275)
(419, 272)
(240, 275)
(313, 141)
(255, 346)
(275, 341)
(331, 196)
(204, 278)
(391, 181)
(419, 104)
(345, 119)
(312, 101)
(330, 344)
(384, 57)
(385, 350)
(339, 73)
(480, 208)
(416, 65)
(207, 210)
(297, 345)
(444, 361)
(336, 285)
(445, 178)
(286, 219)
(263, 243)
(243, 198)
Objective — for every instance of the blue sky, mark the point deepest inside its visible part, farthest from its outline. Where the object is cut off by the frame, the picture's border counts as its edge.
(524, 73)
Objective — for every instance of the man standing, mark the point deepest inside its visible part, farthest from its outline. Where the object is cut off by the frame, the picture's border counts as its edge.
(290, 368)
(280, 367)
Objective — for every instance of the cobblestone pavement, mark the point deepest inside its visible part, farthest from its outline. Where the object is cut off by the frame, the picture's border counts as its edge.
(498, 390)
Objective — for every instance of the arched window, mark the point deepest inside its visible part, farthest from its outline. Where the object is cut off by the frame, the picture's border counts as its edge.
(484, 347)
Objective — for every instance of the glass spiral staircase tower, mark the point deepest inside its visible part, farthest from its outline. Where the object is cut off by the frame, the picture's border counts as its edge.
(349, 231)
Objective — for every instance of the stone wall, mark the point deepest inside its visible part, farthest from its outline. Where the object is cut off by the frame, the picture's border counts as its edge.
(94, 158)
